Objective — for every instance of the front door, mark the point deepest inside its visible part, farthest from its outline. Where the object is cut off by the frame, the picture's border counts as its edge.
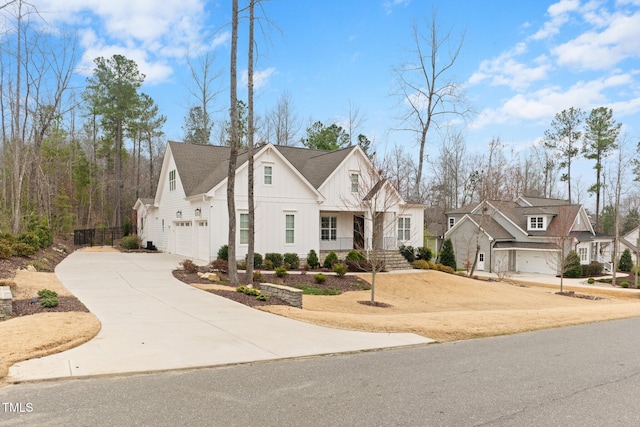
(358, 232)
(481, 261)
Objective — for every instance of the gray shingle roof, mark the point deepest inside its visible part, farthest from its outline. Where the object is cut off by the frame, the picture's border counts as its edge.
(202, 167)
(492, 227)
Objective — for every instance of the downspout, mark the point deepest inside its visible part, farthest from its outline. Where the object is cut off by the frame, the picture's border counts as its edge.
(493, 243)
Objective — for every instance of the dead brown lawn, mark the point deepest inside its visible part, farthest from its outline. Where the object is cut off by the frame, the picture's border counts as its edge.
(446, 307)
(42, 334)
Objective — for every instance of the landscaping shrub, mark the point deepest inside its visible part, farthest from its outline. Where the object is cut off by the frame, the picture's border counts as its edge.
(30, 239)
(593, 269)
(23, 249)
(420, 264)
(248, 291)
(220, 265)
(242, 265)
(331, 259)
(223, 252)
(447, 256)
(356, 256)
(432, 265)
(262, 297)
(319, 278)
(626, 263)
(424, 254)
(340, 269)
(312, 259)
(281, 272)
(591, 281)
(47, 293)
(292, 261)
(44, 233)
(275, 258)
(408, 253)
(48, 298)
(49, 302)
(572, 267)
(189, 266)
(258, 277)
(624, 284)
(7, 238)
(445, 268)
(268, 264)
(130, 242)
(6, 250)
(257, 260)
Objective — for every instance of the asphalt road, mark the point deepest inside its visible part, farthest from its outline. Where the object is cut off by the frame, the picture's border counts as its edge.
(577, 376)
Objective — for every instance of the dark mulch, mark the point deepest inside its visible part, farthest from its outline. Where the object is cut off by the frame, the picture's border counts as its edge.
(375, 304)
(25, 307)
(574, 295)
(344, 284)
(45, 260)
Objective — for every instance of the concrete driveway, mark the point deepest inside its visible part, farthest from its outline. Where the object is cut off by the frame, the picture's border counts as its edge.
(152, 321)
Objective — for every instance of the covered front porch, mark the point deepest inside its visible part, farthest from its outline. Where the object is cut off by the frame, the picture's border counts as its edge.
(346, 231)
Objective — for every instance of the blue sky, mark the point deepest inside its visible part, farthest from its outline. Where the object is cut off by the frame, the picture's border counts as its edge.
(521, 61)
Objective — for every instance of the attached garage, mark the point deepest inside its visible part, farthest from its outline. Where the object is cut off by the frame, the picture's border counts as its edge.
(184, 238)
(529, 257)
(542, 262)
(202, 239)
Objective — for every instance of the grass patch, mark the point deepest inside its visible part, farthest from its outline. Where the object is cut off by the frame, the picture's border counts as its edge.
(312, 290)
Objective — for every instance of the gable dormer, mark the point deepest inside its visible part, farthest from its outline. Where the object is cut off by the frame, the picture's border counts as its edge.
(538, 222)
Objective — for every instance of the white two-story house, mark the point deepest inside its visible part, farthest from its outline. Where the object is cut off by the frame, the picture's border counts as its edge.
(304, 199)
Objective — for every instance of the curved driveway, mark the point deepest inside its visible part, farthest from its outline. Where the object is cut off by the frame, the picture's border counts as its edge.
(152, 321)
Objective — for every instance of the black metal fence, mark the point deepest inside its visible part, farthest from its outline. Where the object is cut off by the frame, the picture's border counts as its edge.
(97, 236)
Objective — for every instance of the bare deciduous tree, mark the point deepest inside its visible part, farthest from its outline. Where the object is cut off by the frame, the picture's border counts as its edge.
(428, 95)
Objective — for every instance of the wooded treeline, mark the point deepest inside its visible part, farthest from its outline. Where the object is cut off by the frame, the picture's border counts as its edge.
(79, 155)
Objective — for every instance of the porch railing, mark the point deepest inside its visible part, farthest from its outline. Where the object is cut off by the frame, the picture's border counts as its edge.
(346, 244)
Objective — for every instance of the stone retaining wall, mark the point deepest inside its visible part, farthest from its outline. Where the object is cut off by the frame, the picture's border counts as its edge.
(291, 295)
(5, 301)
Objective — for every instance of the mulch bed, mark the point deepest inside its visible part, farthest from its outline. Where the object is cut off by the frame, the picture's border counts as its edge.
(344, 284)
(25, 307)
(574, 295)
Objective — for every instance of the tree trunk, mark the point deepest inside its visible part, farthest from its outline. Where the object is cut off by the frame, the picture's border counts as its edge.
(250, 141)
(231, 176)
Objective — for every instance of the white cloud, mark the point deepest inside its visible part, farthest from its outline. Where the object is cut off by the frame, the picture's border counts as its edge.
(594, 50)
(544, 103)
(559, 14)
(389, 5)
(260, 77)
(506, 71)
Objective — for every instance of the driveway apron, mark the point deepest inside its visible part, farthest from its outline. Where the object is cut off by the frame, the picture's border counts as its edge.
(152, 321)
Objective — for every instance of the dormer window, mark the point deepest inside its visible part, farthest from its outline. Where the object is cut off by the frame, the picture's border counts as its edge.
(452, 222)
(537, 223)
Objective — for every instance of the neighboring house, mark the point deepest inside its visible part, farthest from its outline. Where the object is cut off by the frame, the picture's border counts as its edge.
(434, 221)
(525, 235)
(630, 241)
(304, 199)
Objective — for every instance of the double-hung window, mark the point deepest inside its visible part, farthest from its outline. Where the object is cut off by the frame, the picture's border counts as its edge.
(268, 175)
(244, 228)
(328, 228)
(355, 179)
(536, 223)
(289, 233)
(404, 229)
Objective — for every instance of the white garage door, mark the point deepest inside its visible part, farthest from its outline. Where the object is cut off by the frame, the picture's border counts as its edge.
(535, 262)
(184, 238)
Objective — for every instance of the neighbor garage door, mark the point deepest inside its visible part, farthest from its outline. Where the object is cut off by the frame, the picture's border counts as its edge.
(535, 262)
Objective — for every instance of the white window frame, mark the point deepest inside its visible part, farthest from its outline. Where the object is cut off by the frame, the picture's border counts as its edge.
(537, 223)
(404, 228)
(244, 231)
(329, 228)
(452, 222)
(289, 229)
(172, 180)
(583, 253)
(268, 175)
(355, 182)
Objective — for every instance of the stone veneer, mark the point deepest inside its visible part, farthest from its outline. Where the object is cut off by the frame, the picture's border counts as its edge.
(291, 295)
(5, 300)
